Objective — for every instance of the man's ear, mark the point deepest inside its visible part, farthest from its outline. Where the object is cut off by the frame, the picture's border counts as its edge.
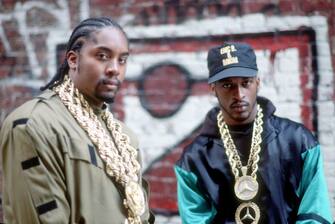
(212, 87)
(72, 59)
(258, 82)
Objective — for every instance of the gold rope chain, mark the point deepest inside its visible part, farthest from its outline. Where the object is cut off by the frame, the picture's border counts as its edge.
(120, 157)
(230, 148)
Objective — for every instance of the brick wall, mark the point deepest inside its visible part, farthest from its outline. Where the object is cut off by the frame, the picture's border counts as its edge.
(294, 42)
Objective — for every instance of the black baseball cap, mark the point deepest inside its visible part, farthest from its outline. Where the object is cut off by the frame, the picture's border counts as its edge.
(231, 60)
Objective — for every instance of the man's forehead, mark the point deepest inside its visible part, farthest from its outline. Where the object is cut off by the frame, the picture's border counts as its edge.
(107, 38)
(235, 78)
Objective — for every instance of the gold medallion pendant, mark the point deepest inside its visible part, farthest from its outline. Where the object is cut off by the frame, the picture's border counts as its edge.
(135, 200)
(246, 188)
(247, 212)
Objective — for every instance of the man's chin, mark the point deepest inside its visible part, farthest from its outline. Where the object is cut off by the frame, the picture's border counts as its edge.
(241, 117)
(107, 99)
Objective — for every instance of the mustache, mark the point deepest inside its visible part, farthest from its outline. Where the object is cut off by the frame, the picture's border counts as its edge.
(239, 104)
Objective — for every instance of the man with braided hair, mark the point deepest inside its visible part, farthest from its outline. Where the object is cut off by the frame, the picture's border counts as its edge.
(248, 165)
(65, 158)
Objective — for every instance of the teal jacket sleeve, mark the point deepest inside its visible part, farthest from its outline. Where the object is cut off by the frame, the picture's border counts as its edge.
(315, 205)
(193, 206)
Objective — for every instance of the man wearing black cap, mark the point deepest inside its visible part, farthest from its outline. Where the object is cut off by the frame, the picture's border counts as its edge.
(247, 165)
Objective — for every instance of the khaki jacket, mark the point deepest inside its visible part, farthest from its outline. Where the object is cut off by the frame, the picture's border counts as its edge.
(52, 172)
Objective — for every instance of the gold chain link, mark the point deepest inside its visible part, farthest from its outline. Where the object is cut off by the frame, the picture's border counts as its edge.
(119, 156)
(230, 148)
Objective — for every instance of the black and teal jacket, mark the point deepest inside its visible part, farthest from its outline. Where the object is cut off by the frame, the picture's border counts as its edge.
(290, 175)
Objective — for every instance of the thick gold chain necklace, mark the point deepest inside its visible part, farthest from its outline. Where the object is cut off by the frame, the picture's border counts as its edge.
(119, 156)
(246, 186)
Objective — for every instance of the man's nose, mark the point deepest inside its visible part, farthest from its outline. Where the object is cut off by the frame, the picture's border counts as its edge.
(239, 92)
(113, 68)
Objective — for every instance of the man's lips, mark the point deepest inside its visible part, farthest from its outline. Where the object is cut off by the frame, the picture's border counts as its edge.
(239, 107)
(239, 104)
(110, 83)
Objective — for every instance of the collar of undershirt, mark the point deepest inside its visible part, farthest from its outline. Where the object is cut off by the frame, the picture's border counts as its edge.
(243, 129)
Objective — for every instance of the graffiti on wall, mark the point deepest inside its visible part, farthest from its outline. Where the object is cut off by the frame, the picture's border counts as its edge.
(29, 34)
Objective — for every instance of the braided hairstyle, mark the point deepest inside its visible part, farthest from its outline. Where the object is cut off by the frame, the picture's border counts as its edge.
(75, 43)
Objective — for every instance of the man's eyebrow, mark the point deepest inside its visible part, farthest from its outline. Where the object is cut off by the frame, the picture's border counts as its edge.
(225, 80)
(125, 54)
(103, 48)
